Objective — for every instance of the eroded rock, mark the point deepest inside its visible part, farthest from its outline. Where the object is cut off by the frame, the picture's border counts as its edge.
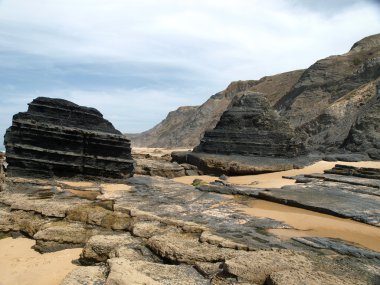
(86, 275)
(56, 137)
(123, 271)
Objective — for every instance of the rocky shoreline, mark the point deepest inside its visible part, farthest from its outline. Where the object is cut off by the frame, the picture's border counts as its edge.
(151, 230)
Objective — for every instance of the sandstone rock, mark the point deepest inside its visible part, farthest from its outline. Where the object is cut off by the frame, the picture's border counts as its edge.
(58, 138)
(147, 229)
(251, 127)
(123, 271)
(158, 168)
(100, 247)
(257, 266)
(26, 222)
(187, 249)
(298, 277)
(46, 207)
(59, 235)
(86, 275)
(97, 215)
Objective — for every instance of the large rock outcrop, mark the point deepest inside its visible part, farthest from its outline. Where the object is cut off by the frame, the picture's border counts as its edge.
(56, 137)
(185, 126)
(251, 127)
(326, 104)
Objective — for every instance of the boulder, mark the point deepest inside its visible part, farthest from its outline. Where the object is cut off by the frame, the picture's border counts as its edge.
(56, 137)
(100, 247)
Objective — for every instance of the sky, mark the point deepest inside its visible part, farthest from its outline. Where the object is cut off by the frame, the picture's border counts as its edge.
(137, 60)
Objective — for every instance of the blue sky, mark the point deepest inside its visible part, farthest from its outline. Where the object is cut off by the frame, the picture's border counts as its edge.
(137, 60)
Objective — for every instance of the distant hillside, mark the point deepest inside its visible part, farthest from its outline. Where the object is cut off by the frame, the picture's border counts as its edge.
(185, 126)
(326, 104)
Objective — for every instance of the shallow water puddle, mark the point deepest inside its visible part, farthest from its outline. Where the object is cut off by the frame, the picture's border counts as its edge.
(309, 223)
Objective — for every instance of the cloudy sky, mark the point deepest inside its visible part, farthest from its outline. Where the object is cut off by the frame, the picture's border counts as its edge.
(137, 60)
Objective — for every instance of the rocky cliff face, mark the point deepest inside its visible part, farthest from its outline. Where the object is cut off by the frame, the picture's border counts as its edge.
(364, 135)
(326, 104)
(250, 126)
(330, 79)
(56, 137)
(186, 126)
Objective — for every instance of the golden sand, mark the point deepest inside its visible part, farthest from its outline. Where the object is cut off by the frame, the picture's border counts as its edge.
(21, 265)
(77, 183)
(112, 187)
(309, 223)
(274, 179)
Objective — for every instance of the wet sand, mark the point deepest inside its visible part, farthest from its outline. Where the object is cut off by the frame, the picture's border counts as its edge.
(274, 179)
(309, 223)
(21, 265)
(306, 223)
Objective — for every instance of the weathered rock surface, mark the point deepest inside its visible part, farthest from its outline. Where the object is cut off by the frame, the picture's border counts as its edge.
(186, 126)
(159, 168)
(86, 275)
(364, 136)
(328, 80)
(186, 248)
(338, 246)
(298, 277)
(257, 266)
(123, 271)
(365, 172)
(251, 127)
(99, 248)
(174, 228)
(232, 164)
(58, 138)
(60, 235)
(360, 203)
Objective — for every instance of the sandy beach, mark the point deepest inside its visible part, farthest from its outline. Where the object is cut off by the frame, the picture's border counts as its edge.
(274, 179)
(22, 265)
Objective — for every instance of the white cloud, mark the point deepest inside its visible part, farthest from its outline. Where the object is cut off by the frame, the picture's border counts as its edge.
(201, 43)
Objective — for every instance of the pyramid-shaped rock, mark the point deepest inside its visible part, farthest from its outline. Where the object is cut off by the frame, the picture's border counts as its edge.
(56, 137)
(250, 126)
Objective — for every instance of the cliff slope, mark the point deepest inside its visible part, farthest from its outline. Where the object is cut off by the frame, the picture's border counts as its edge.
(186, 126)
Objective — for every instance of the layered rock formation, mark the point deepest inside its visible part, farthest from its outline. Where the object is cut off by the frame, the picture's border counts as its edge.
(56, 137)
(251, 127)
(181, 235)
(185, 126)
(364, 136)
(332, 105)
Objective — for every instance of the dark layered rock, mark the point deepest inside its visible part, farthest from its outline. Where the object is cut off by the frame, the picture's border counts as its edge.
(364, 135)
(56, 137)
(251, 127)
(185, 126)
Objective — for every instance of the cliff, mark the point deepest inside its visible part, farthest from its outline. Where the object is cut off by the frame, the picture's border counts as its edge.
(186, 126)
